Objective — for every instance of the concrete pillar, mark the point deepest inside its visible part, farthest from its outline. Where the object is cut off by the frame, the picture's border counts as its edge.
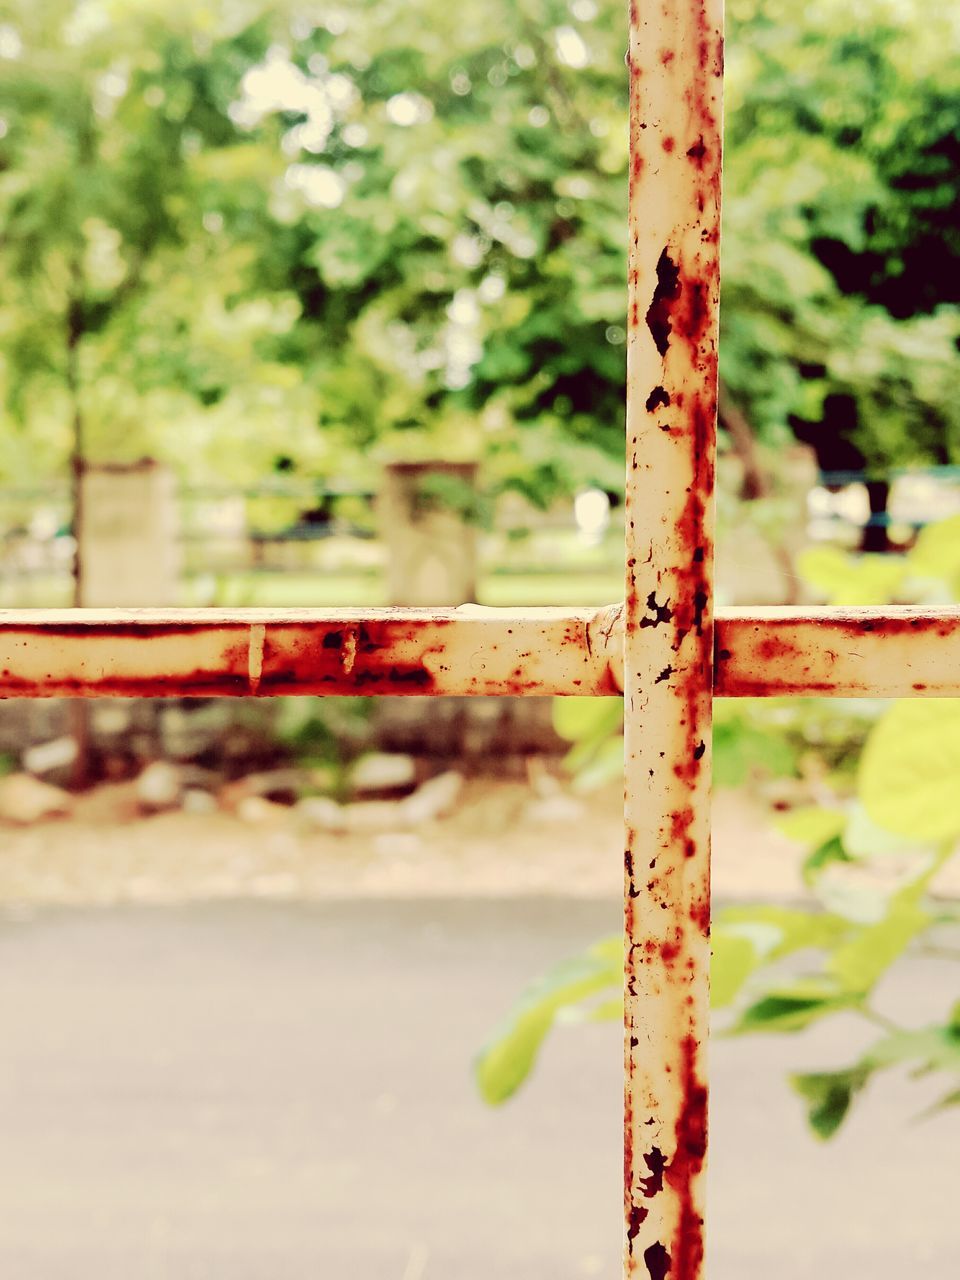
(431, 550)
(431, 560)
(129, 546)
(431, 546)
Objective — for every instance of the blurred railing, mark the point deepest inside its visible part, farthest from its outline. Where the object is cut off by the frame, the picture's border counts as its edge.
(901, 501)
(279, 541)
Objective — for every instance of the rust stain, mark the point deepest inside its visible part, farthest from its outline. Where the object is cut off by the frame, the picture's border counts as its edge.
(665, 294)
(190, 684)
(631, 886)
(882, 626)
(698, 151)
(260, 654)
(656, 1163)
(687, 1164)
(700, 916)
(848, 653)
(121, 629)
(657, 1261)
(671, 950)
(660, 613)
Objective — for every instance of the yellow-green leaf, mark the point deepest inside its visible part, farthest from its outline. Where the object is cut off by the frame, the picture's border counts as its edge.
(812, 825)
(910, 770)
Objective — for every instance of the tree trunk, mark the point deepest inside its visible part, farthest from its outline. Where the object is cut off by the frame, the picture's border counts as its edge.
(79, 711)
(756, 479)
(876, 535)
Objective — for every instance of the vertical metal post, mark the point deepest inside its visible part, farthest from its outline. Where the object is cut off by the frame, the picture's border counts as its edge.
(675, 60)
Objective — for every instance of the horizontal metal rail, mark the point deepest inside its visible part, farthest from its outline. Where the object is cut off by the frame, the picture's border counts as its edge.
(894, 652)
(263, 652)
(899, 652)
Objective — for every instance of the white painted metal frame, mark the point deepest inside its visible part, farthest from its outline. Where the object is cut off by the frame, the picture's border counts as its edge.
(658, 647)
(676, 76)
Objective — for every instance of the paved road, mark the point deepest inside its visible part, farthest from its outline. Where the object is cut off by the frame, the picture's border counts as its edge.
(265, 1092)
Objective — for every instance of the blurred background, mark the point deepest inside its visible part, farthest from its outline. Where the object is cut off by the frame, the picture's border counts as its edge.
(319, 304)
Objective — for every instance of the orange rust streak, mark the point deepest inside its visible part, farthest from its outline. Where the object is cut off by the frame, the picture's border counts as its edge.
(892, 652)
(851, 653)
(258, 653)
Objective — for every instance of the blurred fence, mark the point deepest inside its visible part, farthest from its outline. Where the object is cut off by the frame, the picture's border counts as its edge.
(900, 502)
(286, 541)
(282, 541)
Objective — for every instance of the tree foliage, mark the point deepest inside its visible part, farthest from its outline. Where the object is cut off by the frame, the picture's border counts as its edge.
(241, 235)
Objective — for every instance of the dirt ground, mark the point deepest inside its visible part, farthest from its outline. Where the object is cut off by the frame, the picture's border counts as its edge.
(497, 843)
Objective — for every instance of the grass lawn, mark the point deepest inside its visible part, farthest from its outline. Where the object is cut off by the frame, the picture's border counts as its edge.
(346, 590)
(356, 590)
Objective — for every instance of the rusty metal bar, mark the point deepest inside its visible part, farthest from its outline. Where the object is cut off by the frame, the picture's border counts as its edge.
(896, 652)
(845, 653)
(675, 59)
(258, 652)
(891, 653)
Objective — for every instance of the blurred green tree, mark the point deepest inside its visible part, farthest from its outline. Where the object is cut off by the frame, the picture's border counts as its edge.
(242, 235)
(841, 253)
(125, 314)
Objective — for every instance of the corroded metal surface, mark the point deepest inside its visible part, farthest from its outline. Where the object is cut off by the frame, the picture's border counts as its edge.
(894, 652)
(850, 653)
(675, 60)
(845, 653)
(257, 652)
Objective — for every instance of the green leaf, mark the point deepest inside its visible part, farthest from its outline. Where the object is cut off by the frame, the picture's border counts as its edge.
(864, 838)
(951, 1099)
(792, 928)
(603, 304)
(512, 1052)
(602, 1011)
(733, 957)
(936, 553)
(935, 1048)
(909, 771)
(740, 747)
(859, 963)
(825, 855)
(829, 1095)
(605, 764)
(731, 762)
(854, 580)
(812, 825)
(580, 719)
(594, 726)
(792, 1008)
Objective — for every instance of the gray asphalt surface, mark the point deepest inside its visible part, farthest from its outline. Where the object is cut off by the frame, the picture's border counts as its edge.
(267, 1092)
